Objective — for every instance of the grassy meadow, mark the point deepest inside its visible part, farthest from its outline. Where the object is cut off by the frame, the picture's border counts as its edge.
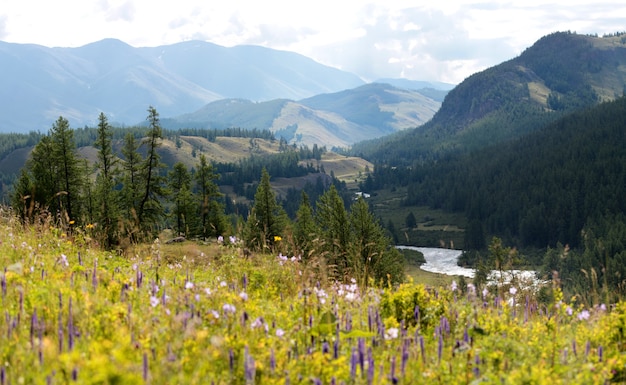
(193, 313)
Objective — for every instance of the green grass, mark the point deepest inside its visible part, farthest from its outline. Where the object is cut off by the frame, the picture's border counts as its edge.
(435, 228)
(195, 313)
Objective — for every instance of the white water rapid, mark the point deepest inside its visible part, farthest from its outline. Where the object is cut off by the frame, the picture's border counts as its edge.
(444, 261)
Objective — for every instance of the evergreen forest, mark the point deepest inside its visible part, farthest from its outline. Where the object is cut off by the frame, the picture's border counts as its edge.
(130, 196)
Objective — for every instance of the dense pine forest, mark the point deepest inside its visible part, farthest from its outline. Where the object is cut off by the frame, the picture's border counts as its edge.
(560, 187)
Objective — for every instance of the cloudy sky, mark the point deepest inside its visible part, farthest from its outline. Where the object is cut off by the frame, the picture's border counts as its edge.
(422, 40)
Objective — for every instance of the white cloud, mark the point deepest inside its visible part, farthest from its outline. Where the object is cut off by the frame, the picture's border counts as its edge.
(444, 40)
(3, 27)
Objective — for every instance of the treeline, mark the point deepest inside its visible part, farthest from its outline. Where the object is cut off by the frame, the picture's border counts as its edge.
(231, 132)
(133, 195)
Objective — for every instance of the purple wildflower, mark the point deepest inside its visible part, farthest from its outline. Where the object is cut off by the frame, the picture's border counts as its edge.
(70, 327)
(440, 347)
(354, 361)
(272, 361)
(370, 366)
(361, 349)
(249, 366)
(583, 315)
(392, 374)
(476, 368)
(228, 309)
(405, 357)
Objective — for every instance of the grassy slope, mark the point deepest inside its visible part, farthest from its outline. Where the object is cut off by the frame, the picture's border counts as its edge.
(75, 313)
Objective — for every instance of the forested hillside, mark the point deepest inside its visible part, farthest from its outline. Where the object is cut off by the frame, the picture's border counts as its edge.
(560, 73)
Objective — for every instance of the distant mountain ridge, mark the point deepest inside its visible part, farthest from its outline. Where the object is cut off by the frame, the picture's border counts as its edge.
(560, 73)
(337, 119)
(41, 83)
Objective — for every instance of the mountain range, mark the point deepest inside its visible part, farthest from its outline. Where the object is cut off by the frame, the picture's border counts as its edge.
(528, 150)
(337, 119)
(179, 80)
(560, 73)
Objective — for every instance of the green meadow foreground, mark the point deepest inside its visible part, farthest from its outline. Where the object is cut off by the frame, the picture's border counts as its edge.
(201, 314)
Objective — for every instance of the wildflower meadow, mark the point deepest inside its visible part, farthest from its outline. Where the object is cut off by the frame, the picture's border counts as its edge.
(206, 314)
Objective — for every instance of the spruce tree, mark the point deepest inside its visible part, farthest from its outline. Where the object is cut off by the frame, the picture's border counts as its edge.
(43, 171)
(267, 218)
(212, 218)
(71, 174)
(131, 181)
(180, 191)
(305, 230)
(371, 254)
(106, 197)
(150, 210)
(22, 199)
(334, 229)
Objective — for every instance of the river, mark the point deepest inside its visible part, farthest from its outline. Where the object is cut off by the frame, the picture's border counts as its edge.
(444, 261)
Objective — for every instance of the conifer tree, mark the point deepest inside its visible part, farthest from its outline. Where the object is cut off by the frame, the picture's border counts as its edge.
(71, 175)
(106, 197)
(150, 209)
(131, 180)
(267, 218)
(22, 199)
(43, 172)
(212, 218)
(180, 191)
(372, 256)
(305, 230)
(334, 229)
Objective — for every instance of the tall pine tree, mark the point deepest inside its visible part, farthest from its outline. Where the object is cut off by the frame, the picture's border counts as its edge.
(71, 173)
(267, 218)
(106, 197)
(371, 254)
(179, 183)
(131, 183)
(305, 230)
(150, 211)
(212, 218)
(332, 220)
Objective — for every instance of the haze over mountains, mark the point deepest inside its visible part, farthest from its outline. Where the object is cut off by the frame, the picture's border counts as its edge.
(41, 84)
